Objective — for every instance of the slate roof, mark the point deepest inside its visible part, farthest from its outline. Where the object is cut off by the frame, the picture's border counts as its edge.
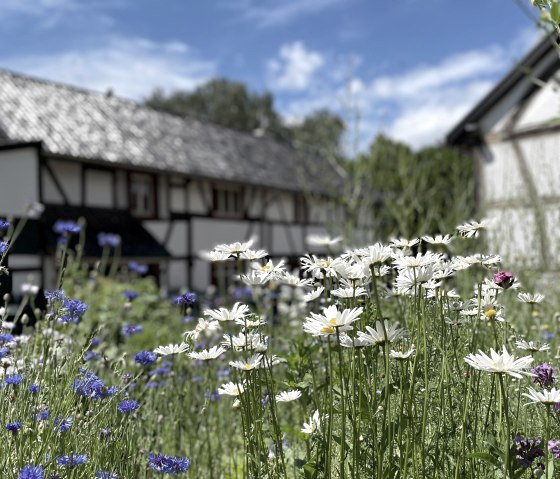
(466, 131)
(91, 126)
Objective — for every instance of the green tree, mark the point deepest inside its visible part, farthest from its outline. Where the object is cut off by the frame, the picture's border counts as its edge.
(321, 131)
(424, 192)
(227, 103)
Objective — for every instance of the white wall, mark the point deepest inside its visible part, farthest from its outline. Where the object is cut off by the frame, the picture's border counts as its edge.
(18, 180)
(68, 175)
(99, 188)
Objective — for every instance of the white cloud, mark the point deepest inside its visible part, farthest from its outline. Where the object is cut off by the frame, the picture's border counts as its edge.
(277, 12)
(418, 105)
(295, 67)
(131, 67)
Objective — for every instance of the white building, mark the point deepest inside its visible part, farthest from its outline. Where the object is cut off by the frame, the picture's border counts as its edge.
(514, 136)
(169, 186)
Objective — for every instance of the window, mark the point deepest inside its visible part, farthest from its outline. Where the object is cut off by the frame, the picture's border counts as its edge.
(142, 195)
(301, 209)
(228, 202)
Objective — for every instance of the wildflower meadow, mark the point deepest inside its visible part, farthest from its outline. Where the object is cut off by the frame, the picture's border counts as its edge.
(398, 360)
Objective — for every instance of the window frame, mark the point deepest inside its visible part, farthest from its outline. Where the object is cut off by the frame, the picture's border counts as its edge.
(222, 198)
(149, 179)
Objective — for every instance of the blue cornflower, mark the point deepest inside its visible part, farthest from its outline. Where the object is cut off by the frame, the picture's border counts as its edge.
(91, 356)
(63, 424)
(72, 460)
(95, 342)
(106, 475)
(130, 295)
(4, 351)
(42, 415)
(168, 464)
(145, 358)
(72, 310)
(54, 296)
(152, 385)
(161, 371)
(6, 338)
(13, 380)
(127, 406)
(214, 395)
(130, 329)
(3, 246)
(13, 427)
(137, 268)
(31, 472)
(108, 239)
(4, 225)
(67, 227)
(187, 299)
(34, 388)
(90, 386)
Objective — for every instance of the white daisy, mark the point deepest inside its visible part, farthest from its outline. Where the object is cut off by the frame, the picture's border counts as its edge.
(238, 311)
(203, 325)
(294, 280)
(404, 243)
(544, 397)
(250, 342)
(314, 424)
(171, 349)
(313, 295)
(504, 363)
(532, 346)
(235, 249)
(348, 342)
(253, 362)
(207, 354)
(400, 355)
(530, 298)
(374, 255)
(382, 333)
(316, 240)
(231, 389)
(214, 256)
(349, 292)
(287, 396)
(330, 320)
(438, 239)
(472, 228)
(253, 255)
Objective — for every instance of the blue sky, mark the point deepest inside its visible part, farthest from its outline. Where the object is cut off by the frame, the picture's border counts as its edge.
(409, 68)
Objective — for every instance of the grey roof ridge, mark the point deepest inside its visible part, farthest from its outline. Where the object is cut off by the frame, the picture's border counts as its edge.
(89, 91)
(459, 132)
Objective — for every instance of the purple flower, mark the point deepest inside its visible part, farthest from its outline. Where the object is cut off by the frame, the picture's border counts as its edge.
(554, 448)
(527, 450)
(54, 296)
(138, 268)
(168, 464)
(4, 225)
(106, 475)
(187, 299)
(13, 380)
(72, 460)
(63, 424)
(92, 356)
(42, 415)
(145, 358)
(127, 406)
(544, 375)
(90, 386)
(130, 295)
(108, 239)
(72, 310)
(13, 427)
(3, 247)
(131, 329)
(6, 338)
(34, 388)
(31, 472)
(504, 279)
(66, 227)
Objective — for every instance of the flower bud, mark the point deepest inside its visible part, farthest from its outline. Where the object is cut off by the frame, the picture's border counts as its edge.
(504, 279)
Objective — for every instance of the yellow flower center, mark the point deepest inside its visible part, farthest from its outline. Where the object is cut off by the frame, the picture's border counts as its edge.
(328, 330)
(491, 313)
(332, 321)
(266, 267)
(247, 366)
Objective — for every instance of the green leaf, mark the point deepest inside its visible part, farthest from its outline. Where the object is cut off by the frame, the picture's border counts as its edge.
(486, 457)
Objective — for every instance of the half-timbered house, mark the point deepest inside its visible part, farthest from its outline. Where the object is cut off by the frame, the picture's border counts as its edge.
(514, 137)
(170, 186)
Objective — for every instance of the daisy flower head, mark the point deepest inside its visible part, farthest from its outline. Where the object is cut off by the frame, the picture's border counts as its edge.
(235, 249)
(254, 254)
(504, 363)
(472, 228)
(383, 333)
(238, 311)
(375, 255)
(331, 320)
(314, 424)
(206, 354)
(313, 295)
(548, 397)
(530, 298)
(214, 256)
(317, 240)
(349, 292)
(402, 355)
(532, 346)
(171, 349)
(254, 362)
(438, 239)
(288, 396)
(404, 243)
(231, 389)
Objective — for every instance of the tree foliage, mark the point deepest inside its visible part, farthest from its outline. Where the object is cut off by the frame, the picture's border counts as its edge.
(425, 192)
